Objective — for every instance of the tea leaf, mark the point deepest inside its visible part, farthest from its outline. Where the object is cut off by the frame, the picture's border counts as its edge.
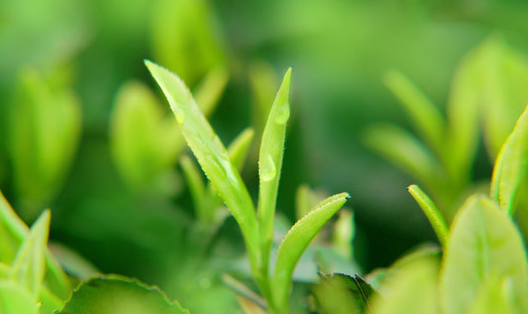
(296, 241)
(115, 294)
(405, 151)
(338, 293)
(196, 186)
(144, 142)
(28, 268)
(16, 299)
(436, 219)
(425, 115)
(239, 148)
(483, 243)
(210, 90)
(493, 297)
(463, 116)
(270, 164)
(510, 166)
(412, 290)
(15, 233)
(212, 156)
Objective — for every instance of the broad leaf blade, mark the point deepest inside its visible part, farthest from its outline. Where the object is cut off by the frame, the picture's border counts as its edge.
(425, 115)
(413, 290)
(436, 219)
(483, 243)
(211, 154)
(270, 165)
(29, 266)
(493, 297)
(510, 166)
(296, 241)
(115, 294)
(339, 293)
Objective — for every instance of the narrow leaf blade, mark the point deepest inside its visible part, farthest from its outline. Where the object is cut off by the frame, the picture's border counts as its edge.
(270, 164)
(296, 241)
(510, 166)
(29, 266)
(239, 148)
(425, 115)
(211, 154)
(436, 219)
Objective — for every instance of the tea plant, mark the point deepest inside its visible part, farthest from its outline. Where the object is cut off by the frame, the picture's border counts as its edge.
(257, 228)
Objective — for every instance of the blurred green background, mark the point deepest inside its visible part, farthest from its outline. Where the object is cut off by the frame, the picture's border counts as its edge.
(64, 63)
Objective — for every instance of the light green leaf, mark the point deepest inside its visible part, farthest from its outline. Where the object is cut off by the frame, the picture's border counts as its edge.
(407, 152)
(343, 233)
(212, 156)
(15, 233)
(270, 165)
(210, 90)
(29, 266)
(185, 37)
(294, 244)
(339, 293)
(483, 243)
(144, 141)
(238, 149)
(510, 166)
(432, 213)
(425, 115)
(196, 187)
(493, 297)
(504, 72)
(49, 302)
(304, 201)
(16, 299)
(413, 290)
(264, 83)
(44, 130)
(115, 294)
(463, 116)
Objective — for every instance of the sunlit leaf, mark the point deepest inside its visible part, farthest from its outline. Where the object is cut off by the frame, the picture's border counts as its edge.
(15, 233)
(436, 219)
(270, 165)
(483, 243)
(115, 294)
(296, 241)
(238, 149)
(212, 156)
(510, 166)
(16, 299)
(185, 38)
(29, 266)
(412, 290)
(494, 296)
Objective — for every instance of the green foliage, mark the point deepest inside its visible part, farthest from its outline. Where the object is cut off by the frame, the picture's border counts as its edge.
(510, 166)
(339, 293)
(184, 37)
(218, 166)
(116, 294)
(488, 83)
(44, 129)
(483, 244)
(429, 208)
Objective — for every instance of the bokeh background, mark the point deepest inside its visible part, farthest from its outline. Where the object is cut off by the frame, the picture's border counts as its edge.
(64, 63)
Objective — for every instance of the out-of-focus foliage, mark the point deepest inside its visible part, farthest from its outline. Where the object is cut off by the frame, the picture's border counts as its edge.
(140, 216)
